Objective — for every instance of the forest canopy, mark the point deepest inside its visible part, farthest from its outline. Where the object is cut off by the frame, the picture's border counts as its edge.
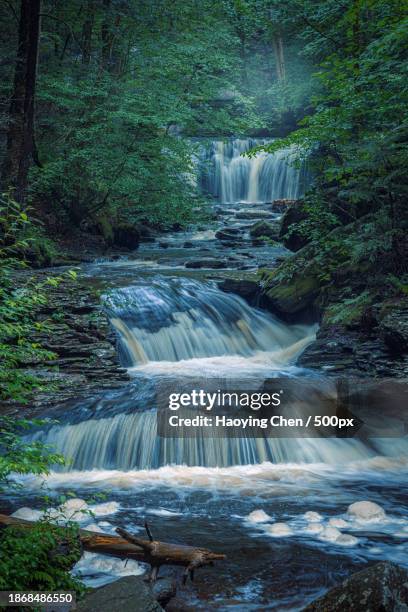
(102, 101)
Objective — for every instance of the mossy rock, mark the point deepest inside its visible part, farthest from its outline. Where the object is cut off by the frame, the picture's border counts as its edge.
(264, 229)
(294, 295)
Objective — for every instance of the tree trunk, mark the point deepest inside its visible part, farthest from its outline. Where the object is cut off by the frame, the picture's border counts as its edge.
(87, 30)
(279, 57)
(150, 551)
(21, 149)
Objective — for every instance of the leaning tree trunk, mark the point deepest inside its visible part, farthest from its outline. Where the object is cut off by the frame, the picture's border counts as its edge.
(279, 57)
(21, 150)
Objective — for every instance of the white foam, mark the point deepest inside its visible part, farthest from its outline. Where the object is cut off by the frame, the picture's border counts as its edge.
(312, 517)
(330, 534)
(106, 527)
(258, 516)
(314, 528)
(338, 522)
(163, 512)
(74, 504)
(366, 512)
(28, 514)
(74, 509)
(96, 569)
(346, 540)
(279, 530)
(94, 527)
(105, 509)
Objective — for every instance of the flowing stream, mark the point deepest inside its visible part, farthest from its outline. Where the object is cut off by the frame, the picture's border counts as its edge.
(277, 507)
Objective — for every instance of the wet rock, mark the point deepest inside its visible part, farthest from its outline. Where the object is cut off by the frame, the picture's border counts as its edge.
(282, 205)
(293, 239)
(265, 228)
(164, 589)
(293, 296)
(394, 329)
(338, 350)
(228, 233)
(254, 214)
(248, 289)
(206, 263)
(130, 593)
(188, 245)
(383, 586)
(180, 604)
(83, 343)
(164, 245)
(126, 235)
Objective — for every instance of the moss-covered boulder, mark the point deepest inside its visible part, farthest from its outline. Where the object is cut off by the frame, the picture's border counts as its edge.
(292, 296)
(265, 229)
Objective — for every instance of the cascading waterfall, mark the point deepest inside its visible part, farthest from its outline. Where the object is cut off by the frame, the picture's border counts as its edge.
(181, 319)
(129, 442)
(232, 177)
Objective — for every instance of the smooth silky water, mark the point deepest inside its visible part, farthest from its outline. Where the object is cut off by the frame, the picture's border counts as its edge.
(232, 495)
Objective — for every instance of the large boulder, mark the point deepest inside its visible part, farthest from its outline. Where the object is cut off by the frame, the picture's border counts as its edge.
(126, 235)
(291, 237)
(248, 289)
(291, 296)
(130, 593)
(254, 214)
(266, 229)
(380, 588)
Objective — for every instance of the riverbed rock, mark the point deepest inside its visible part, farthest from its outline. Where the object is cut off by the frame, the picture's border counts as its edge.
(248, 289)
(381, 587)
(282, 205)
(394, 328)
(126, 235)
(254, 214)
(265, 228)
(228, 233)
(79, 334)
(130, 594)
(164, 589)
(291, 237)
(293, 296)
(206, 263)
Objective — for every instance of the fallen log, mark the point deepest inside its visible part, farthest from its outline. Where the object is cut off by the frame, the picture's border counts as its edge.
(162, 553)
(128, 546)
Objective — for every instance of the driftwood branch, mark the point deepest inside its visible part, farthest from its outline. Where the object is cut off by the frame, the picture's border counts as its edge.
(131, 547)
(162, 553)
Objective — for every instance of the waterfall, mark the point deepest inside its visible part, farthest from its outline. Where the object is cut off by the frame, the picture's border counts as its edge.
(181, 319)
(129, 442)
(231, 177)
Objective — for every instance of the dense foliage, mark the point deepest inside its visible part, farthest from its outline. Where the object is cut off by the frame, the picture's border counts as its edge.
(357, 134)
(29, 559)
